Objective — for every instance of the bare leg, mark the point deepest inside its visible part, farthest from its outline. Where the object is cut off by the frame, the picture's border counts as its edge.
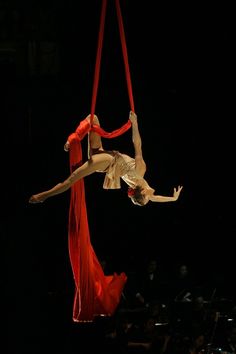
(99, 162)
(81, 130)
(94, 140)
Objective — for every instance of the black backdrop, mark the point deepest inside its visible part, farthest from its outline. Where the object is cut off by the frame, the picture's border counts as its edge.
(182, 75)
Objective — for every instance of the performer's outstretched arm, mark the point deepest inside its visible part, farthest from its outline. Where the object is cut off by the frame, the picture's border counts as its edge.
(163, 199)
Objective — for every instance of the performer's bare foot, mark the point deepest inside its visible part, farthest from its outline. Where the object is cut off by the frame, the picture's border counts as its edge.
(67, 146)
(37, 198)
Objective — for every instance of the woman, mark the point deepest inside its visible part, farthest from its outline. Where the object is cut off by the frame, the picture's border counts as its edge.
(115, 165)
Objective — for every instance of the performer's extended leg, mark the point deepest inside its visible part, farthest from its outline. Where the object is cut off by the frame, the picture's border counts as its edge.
(99, 162)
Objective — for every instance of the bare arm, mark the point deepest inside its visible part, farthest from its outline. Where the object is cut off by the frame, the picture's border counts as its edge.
(163, 199)
(140, 164)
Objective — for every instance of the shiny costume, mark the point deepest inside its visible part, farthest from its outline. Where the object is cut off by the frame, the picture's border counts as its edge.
(122, 166)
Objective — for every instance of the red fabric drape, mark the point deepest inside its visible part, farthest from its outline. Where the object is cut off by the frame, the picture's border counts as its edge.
(125, 55)
(98, 57)
(127, 125)
(114, 133)
(95, 293)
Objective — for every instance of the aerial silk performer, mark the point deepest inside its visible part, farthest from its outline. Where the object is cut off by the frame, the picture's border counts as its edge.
(97, 294)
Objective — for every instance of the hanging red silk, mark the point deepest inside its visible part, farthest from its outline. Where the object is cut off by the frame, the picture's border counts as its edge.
(96, 294)
(99, 55)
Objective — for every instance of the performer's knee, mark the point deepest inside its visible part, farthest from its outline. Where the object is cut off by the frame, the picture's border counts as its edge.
(96, 120)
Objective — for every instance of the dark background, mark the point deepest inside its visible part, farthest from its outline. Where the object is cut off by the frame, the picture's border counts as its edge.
(181, 63)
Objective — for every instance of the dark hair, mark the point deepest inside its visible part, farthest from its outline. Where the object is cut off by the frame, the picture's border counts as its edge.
(136, 195)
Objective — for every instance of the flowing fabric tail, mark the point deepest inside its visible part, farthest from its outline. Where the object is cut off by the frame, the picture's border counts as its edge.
(95, 293)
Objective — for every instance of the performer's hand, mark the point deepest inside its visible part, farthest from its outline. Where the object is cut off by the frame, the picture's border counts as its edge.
(177, 192)
(67, 146)
(132, 117)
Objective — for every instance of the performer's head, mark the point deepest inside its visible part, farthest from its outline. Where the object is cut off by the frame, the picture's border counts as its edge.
(137, 196)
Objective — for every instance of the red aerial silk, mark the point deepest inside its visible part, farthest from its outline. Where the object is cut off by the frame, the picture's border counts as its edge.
(98, 64)
(95, 293)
